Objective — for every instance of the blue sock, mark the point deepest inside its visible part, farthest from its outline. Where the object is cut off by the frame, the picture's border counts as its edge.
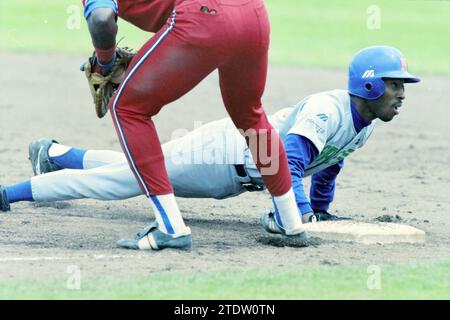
(72, 159)
(19, 192)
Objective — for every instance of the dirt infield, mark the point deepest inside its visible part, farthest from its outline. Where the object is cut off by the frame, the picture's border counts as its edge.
(402, 172)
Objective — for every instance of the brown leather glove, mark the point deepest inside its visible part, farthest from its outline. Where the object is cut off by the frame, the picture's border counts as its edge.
(103, 86)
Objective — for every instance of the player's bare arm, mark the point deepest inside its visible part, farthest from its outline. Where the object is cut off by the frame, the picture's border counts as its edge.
(103, 28)
(105, 69)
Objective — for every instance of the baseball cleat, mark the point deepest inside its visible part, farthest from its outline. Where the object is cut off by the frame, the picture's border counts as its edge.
(38, 155)
(4, 203)
(325, 216)
(270, 225)
(151, 238)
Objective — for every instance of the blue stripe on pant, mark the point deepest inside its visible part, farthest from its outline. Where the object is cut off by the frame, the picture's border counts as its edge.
(163, 213)
(277, 215)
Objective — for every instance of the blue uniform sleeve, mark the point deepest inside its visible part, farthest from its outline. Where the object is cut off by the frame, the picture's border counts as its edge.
(300, 153)
(91, 5)
(322, 186)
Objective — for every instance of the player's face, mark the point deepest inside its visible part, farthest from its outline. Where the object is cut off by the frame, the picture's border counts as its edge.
(388, 105)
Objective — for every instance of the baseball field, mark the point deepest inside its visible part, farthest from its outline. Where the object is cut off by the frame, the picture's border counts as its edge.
(66, 250)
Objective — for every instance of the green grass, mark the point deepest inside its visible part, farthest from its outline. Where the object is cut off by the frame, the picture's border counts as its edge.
(52, 26)
(319, 33)
(326, 33)
(413, 281)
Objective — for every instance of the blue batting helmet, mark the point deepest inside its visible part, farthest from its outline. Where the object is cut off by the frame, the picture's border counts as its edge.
(370, 65)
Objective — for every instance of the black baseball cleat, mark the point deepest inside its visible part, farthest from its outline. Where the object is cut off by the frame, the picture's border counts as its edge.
(38, 156)
(4, 203)
(325, 216)
(151, 238)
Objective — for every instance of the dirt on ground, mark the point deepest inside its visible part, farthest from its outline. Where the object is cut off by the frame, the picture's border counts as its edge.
(401, 175)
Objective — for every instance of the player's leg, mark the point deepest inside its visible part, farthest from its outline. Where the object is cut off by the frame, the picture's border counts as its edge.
(99, 158)
(190, 172)
(167, 67)
(47, 155)
(188, 161)
(242, 82)
(116, 182)
(109, 182)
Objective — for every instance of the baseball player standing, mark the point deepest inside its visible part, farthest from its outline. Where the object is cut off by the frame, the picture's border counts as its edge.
(192, 39)
(213, 161)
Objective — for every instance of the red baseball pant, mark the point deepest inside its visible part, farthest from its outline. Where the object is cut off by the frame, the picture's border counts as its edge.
(200, 36)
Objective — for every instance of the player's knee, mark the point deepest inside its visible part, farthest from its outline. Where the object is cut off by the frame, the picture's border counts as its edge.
(122, 110)
(135, 100)
(128, 107)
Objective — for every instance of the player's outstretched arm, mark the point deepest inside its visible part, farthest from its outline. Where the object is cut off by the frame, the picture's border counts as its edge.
(323, 184)
(300, 153)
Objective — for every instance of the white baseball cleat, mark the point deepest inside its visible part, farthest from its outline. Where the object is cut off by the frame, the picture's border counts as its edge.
(269, 224)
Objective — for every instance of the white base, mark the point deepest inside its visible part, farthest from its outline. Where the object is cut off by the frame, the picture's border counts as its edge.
(366, 233)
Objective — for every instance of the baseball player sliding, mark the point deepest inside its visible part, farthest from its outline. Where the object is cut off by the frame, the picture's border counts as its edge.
(192, 39)
(214, 161)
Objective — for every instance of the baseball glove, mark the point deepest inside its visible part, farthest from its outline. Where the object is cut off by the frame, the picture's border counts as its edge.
(102, 86)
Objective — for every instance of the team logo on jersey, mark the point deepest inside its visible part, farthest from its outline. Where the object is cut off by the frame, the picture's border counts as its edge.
(370, 73)
(322, 116)
(312, 123)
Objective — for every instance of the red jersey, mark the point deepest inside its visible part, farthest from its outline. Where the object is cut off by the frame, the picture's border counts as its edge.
(148, 15)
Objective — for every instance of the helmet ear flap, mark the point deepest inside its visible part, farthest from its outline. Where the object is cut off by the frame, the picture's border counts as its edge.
(378, 88)
(373, 89)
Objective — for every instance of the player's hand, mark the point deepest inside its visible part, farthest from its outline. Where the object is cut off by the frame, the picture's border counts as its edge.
(103, 69)
(104, 80)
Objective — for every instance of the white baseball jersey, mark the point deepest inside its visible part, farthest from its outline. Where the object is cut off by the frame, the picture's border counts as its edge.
(326, 120)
